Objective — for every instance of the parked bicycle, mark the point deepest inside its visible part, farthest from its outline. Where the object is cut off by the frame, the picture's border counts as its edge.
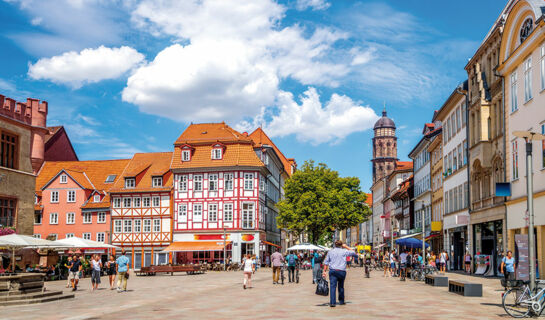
(520, 302)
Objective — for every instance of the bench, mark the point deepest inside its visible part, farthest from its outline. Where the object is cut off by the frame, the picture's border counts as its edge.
(153, 270)
(436, 280)
(464, 288)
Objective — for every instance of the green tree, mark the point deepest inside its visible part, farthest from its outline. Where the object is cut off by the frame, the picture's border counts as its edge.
(318, 201)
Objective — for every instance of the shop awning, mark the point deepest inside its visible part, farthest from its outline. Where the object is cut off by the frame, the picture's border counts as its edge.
(182, 246)
(413, 235)
(271, 244)
(433, 235)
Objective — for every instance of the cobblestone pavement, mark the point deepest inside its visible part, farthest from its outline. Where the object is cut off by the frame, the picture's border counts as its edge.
(219, 295)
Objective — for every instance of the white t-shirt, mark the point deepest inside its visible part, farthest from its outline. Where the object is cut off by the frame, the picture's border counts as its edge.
(248, 263)
(443, 257)
(96, 265)
(392, 258)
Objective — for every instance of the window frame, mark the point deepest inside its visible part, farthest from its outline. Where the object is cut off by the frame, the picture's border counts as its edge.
(212, 213)
(194, 212)
(130, 183)
(69, 194)
(153, 199)
(96, 198)
(228, 213)
(63, 179)
(198, 181)
(85, 215)
(53, 199)
(514, 159)
(99, 215)
(182, 209)
(156, 225)
(182, 183)
(127, 226)
(249, 182)
(248, 216)
(69, 235)
(71, 221)
(213, 184)
(144, 200)
(146, 226)
(228, 181)
(117, 202)
(118, 226)
(137, 226)
(186, 155)
(157, 182)
(9, 141)
(528, 94)
(542, 67)
(56, 220)
(86, 236)
(136, 202)
(101, 234)
(514, 93)
(127, 202)
(217, 153)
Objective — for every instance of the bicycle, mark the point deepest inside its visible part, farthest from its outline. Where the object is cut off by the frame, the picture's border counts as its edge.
(367, 269)
(417, 273)
(518, 302)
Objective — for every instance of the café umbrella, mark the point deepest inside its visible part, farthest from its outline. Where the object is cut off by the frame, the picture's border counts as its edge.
(80, 243)
(305, 246)
(19, 241)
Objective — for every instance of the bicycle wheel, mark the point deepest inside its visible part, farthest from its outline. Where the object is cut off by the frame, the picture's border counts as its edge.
(514, 302)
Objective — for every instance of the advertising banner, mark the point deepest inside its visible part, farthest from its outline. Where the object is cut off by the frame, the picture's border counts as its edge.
(521, 243)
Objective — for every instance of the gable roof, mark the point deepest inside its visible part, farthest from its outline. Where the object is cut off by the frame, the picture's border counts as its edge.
(55, 134)
(203, 133)
(404, 165)
(145, 166)
(260, 139)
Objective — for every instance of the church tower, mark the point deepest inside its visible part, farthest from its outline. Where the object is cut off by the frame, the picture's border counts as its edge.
(384, 147)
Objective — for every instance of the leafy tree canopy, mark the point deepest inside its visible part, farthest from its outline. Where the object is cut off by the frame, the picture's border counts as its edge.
(318, 201)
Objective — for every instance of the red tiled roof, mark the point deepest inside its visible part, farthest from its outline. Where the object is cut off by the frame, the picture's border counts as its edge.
(402, 165)
(260, 138)
(209, 133)
(145, 166)
(369, 200)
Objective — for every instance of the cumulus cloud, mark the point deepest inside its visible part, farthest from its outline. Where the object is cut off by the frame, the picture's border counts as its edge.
(314, 122)
(225, 69)
(87, 66)
(314, 4)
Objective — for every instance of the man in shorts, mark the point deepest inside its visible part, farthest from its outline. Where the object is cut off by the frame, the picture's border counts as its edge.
(73, 274)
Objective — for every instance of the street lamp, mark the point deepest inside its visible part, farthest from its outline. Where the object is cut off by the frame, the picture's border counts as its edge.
(528, 138)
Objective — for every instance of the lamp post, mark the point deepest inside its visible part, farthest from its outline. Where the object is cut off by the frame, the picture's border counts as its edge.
(528, 138)
(224, 250)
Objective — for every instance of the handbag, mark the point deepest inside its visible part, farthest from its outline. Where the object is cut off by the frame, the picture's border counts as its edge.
(322, 287)
(127, 275)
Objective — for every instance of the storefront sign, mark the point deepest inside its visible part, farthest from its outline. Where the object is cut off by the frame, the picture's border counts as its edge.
(247, 237)
(521, 242)
(209, 237)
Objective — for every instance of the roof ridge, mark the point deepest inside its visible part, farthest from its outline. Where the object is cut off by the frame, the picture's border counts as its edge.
(91, 182)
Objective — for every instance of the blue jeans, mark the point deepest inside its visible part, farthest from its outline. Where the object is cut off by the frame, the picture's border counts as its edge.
(336, 278)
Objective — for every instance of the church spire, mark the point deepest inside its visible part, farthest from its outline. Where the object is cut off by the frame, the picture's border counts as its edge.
(384, 109)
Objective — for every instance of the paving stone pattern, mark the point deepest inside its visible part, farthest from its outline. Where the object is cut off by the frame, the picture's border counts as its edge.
(219, 295)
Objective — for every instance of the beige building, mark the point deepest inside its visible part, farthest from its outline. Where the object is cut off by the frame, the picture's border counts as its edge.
(486, 148)
(436, 159)
(522, 64)
(22, 132)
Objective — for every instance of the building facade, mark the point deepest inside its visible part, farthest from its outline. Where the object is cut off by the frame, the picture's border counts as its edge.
(436, 182)
(522, 65)
(22, 132)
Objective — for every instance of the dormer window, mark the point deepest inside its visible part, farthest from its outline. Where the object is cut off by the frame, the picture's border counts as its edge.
(96, 198)
(186, 155)
(63, 179)
(130, 182)
(217, 154)
(157, 181)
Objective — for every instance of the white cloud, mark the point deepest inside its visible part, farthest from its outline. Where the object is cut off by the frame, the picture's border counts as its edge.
(314, 4)
(88, 66)
(225, 69)
(310, 121)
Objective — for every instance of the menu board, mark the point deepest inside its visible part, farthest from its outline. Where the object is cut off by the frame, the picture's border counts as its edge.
(523, 272)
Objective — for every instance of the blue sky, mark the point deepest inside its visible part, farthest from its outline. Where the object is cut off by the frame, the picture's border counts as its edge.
(129, 76)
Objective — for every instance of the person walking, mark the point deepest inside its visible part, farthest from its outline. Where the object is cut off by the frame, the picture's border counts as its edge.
(403, 265)
(508, 266)
(335, 262)
(443, 260)
(467, 262)
(96, 266)
(67, 266)
(75, 269)
(277, 261)
(292, 261)
(316, 266)
(110, 270)
(386, 264)
(392, 260)
(249, 267)
(122, 268)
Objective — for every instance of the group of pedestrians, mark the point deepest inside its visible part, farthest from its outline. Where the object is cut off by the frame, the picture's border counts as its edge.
(113, 268)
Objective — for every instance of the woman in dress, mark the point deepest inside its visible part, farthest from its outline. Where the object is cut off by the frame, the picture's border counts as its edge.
(110, 269)
(249, 268)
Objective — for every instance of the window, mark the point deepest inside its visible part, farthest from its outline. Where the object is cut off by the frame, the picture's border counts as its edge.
(183, 183)
(542, 67)
(156, 201)
(37, 217)
(117, 226)
(101, 217)
(96, 198)
(117, 202)
(9, 147)
(147, 225)
(157, 182)
(197, 209)
(514, 100)
(228, 177)
(70, 218)
(454, 160)
(186, 155)
(228, 212)
(216, 154)
(7, 211)
(458, 120)
(87, 236)
(136, 202)
(465, 152)
(460, 161)
(156, 225)
(71, 196)
(212, 212)
(247, 216)
(464, 116)
(514, 146)
(137, 226)
(52, 237)
(146, 202)
(528, 79)
(53, 218)
(262, 184)
(87, 217)
(127, 202)
(63, 179)
(69, 235)
(100, 236)
(127, 226)
(248, 181)
(197, 182)
(54, 196)
(110, 178)
(212, 182)
(182, 210)
(37, 236)
(130, 182)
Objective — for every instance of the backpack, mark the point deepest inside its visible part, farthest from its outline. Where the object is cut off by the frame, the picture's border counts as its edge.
(291, 259)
